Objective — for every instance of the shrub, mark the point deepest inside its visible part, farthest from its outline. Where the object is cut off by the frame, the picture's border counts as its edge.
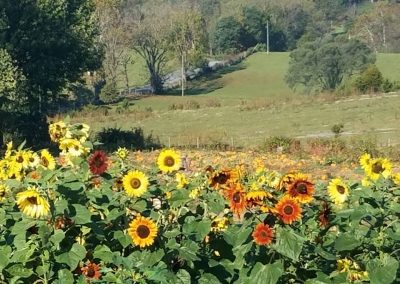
(281, 144)
(370, 80)
(337, 129)
(390, 86)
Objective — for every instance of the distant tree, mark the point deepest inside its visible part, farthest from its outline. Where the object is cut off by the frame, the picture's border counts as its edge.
(370, 80)
(228, 36)
(51, 43)
(323, 64)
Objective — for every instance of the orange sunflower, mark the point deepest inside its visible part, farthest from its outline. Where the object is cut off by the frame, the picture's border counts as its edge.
(288, 209)
(301, 189)
(237, 199)
(263, 234)
(91, 270)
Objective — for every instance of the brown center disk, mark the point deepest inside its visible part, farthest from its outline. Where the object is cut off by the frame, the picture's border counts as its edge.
(135, 183)
(377, 168)
(301, 188)
(236, 197)
(288, 210)
(90, 272)
(20, 159)
(169, 161)
(221, 178)
(45, 162)
(143, 231)
(32, 200)
(340, 189)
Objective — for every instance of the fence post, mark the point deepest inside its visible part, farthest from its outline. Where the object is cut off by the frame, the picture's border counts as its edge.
(232, 145)
(169, 142)
(197, 142)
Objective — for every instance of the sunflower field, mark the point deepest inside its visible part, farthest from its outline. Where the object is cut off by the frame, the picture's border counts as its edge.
(86, 216)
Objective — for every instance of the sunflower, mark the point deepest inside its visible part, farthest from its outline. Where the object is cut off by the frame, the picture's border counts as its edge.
(343, 265)
(91, 270)
(219, 224)
(73, 147)
(256, 197)
(33, 159)
(338, 191)
(3, 192)
(122, 153)
(47, 160)
(98, 162)
(142, 231)
(57, 131)
(219, 179)
(396, 179)
(365, 160)
(22, 158)
(135, 183)
(237, 199)
(378, 167)
(8, 150)
(169, 161)
(288, 209)
(31, 203)
(181, 180)
(301, 189)
(263, 234)
(286, 180)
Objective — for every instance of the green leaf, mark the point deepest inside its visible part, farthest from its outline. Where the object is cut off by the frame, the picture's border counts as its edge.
(114, 214)
(200, 229)
(183, 276)
(346, 241)
(5, 252)
(57, 237)
(72, 258)
(188, 251)
(23, 255)
(82, 215)
(383, 270)
(266, 274)
(21, 227)
(103, 253)
(321, 279)
(288, 243)
(208, 278)
(179, 198)
(3, 219)
(19, 270)
(74, 186)
(123, 239)
(151, 258)
(236, 237)
(65, 277)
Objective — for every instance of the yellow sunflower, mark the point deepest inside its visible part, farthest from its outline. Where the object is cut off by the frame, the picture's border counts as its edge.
(122, 153)
(256, 197)
(378, 167)
(142, 231)
(57, 131)
(73, 147)
(219, 224)
(135, 183)
(22, 157)
(169, 161)
(47, 160)
(3, 192)
(365, 160)
(9, 150)
(181, 180)
(31, 203)
(301, 189)
(338, 191)
(396, 179)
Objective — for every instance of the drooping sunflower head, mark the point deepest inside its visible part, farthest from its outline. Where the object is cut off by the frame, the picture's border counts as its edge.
(98, 162)
(256, 197)
(286, 180)
(91, 270)
(142, 231)
(57, 131)
(47, 160)
(237, 199)
(169, 161)
(135, 183)
(378, 167)
(31, 203)
(263, 234)
(288, 209)
(72, 147)
(219, 179)
(301, 189)
(338, 191)
(3, 192)
(181, 180)
(219, 224)
(396, 178)
(343, 265)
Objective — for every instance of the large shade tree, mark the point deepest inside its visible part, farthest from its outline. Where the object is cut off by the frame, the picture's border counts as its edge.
(50, 43)
(324, 64)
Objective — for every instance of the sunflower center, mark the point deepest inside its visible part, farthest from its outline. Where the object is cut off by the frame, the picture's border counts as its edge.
(236, 197)
(76, 147)
(169, 161)
(135, 183)
(377, 168)
(20, 159)
(288, 210)
(31, 160)
(340, 189)
(143, 231)
(45, 162)
(98, 162)
(221, 178)
(90, 272)
(32, 200)
(2, 193)
(263, 234)
(302, 188)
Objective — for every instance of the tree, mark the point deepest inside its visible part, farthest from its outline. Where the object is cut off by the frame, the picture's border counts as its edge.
(51, 43)
(228, 36)
(323, 64)
(188, 40)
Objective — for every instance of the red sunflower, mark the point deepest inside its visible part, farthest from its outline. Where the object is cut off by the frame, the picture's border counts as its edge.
(98, 162)
(237, 199)
(263, 234)
(301, 189)
(91, 270)
(288, 209)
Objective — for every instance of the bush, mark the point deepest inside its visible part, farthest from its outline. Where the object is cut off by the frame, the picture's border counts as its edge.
(113, 138)
(281, 144)
(109, 93)
(369, 80)
(390, 86)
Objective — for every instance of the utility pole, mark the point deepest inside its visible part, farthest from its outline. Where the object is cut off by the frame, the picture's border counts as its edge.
(267, 36)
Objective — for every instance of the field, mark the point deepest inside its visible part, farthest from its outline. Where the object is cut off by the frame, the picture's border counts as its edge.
(244, 104)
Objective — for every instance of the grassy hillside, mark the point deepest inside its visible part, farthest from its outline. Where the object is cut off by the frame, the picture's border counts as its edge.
(252, 102)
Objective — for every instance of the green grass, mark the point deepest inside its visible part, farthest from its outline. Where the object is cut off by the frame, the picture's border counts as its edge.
(255, 103)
